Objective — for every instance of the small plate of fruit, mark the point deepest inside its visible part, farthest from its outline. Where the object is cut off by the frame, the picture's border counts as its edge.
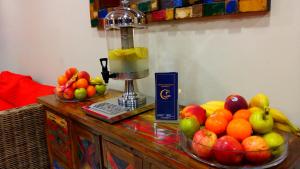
(235, 134)
(74, 86)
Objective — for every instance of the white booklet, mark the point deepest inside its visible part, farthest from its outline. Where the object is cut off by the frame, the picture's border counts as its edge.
(106, 110)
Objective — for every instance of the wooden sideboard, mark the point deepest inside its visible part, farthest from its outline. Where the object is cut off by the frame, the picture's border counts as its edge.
(78, 141)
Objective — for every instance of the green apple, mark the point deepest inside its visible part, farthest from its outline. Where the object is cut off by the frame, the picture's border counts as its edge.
(80, 93)
(189, 126)
(261, 121)
(275, 142)
(100, 89)
(254, 109)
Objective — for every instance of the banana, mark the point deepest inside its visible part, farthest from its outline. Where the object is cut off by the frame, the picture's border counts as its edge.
(278, 116)
(282, 127)
(285, 128)
(212, 106)
(260, 100)
(96, 81)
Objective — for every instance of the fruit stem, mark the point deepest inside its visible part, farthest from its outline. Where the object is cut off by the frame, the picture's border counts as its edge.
(267, 110)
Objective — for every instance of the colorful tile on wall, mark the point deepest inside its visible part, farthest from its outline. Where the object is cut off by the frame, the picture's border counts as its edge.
(145, 6)
(162, 15)
(159, 15)
(182, 13)
(212, 8)
(154, 5)
(166, 10)
(254, 5)
(94, 13)
(167, 4)
(197, 10)
(231, 6)
(192, 2)
(108, 3)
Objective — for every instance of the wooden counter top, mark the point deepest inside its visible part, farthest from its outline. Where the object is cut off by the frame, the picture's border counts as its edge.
(157, 141)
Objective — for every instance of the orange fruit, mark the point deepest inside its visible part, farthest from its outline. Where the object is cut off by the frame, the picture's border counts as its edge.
(216, 124)
(82, 83)
(74, 85)
(239, 129)
(62, 80)
(224, 113)
(242, 114)
(91, 91)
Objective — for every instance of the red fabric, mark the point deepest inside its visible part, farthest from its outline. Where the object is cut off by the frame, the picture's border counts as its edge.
(4, 105)
(29, 90)
(8, 85)
(19, 90)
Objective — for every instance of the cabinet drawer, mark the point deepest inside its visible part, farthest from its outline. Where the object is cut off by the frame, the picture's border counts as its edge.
(152, 164)
(115, 157)
(86, 148)
(156, 166)
(58, 138)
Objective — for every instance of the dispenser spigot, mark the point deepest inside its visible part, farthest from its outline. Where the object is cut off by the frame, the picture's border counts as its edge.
(105, 72)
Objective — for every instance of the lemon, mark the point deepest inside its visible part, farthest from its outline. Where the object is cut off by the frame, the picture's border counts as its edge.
(131, 54)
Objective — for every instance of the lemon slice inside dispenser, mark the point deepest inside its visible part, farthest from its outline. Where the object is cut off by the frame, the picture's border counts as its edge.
(128, 54)
(141, 53)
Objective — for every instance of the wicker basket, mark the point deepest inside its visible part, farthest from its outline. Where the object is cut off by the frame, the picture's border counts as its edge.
(22, 138)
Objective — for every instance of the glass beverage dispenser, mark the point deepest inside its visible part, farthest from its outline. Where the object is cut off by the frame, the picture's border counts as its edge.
(127, 42)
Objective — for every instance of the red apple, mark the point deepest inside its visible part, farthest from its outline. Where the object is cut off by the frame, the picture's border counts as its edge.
(228, 150)
(186, 109)
(70, 72)
(84, 74)
(234, 103)
(203, 142)
(257, 149)
(196, 111)
(68, 93)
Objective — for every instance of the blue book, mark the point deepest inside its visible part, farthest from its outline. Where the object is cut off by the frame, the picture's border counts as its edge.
(166, 96)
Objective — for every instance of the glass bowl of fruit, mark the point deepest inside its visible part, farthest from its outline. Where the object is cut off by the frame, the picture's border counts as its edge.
(75, 86)
(228, 152)
(235, 133)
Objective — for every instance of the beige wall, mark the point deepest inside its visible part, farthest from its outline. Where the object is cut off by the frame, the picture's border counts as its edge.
(214, 58)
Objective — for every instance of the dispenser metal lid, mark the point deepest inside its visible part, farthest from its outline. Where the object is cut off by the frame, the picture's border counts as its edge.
(125, 17)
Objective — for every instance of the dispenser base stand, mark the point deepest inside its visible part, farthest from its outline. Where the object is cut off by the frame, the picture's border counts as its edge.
(130, 98)
(129, 104)
(110, 110)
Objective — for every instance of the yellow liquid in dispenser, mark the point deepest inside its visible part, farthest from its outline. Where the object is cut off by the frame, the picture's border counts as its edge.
(128, 60)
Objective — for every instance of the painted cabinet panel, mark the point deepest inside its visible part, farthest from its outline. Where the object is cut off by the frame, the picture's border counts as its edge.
(86, 148)
(56, 164)
(58, 138)
(117, 158)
